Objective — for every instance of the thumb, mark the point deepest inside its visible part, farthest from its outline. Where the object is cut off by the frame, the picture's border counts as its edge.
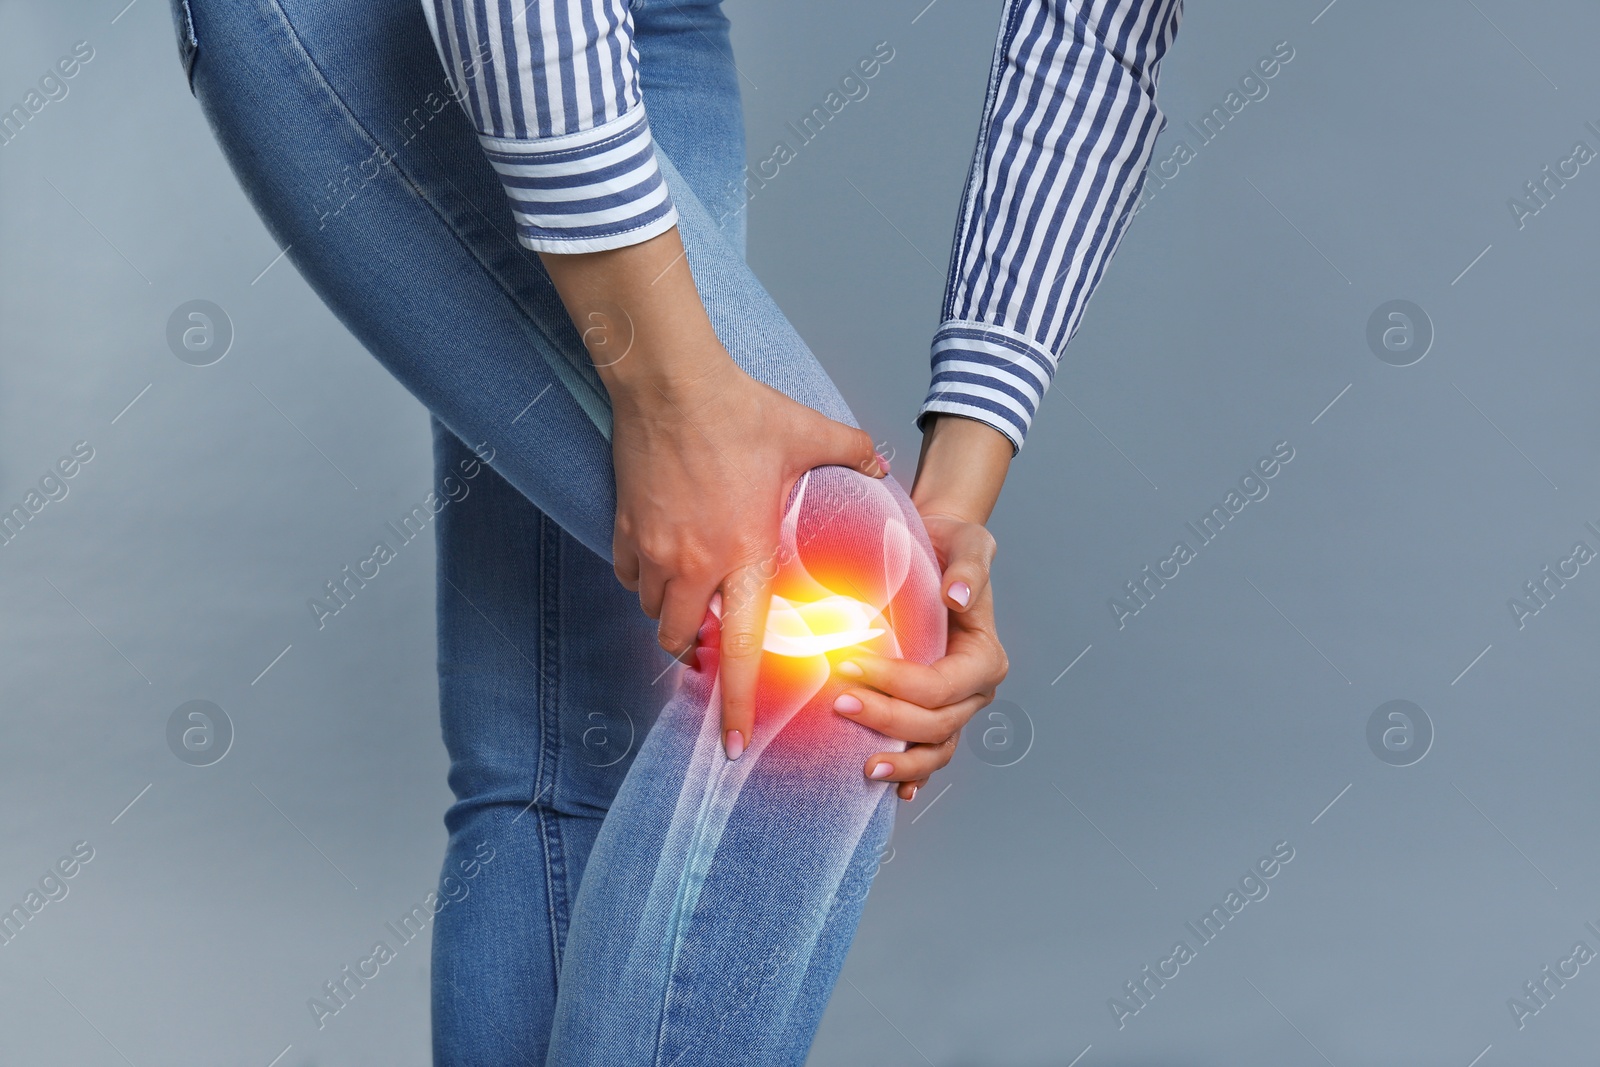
(831, 442)
(968, 553)
(745, 596)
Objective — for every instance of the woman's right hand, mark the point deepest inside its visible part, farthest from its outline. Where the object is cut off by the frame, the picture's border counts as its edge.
(704, 467)
(705, 456)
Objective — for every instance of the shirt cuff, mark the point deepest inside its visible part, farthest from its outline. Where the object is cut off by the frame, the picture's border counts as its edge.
(988, 373)
(585, 192)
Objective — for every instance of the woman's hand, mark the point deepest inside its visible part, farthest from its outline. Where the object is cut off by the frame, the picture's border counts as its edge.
(959, 475)
(705, 456)
(704, 468)
(928, 706)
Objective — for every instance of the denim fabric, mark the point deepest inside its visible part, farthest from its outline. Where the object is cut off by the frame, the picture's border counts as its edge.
(617, 828)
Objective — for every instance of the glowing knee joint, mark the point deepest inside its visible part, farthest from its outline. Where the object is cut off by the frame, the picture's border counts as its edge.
(854, 571)
(847, 564)
(813, 629)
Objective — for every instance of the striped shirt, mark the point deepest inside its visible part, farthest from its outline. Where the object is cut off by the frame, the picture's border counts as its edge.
(1068, 126)
(553, 89)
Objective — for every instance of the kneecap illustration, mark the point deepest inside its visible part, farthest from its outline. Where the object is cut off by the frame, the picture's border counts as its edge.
(853, 572)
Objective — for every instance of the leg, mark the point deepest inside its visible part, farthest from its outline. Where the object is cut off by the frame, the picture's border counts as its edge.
(337, 121)
(687, 74)
(721, 896)
(547, 667)
(545, 670)
(542, 731)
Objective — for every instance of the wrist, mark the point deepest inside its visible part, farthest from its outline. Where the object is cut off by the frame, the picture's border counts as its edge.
(962, 468)
(667, 370)
(640, 318)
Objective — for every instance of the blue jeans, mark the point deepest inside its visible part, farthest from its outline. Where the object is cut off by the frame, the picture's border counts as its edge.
(644, 901)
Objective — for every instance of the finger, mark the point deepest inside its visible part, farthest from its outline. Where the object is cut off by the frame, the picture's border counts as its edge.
(908, 790)
(968, 554)
(745, 594)
(945, 681)
(914, 764)
(833, 442)
(626, 567)
(652, 588)
(905, 721)
(683, 609)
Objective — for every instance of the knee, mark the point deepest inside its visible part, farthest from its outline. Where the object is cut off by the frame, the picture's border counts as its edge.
(854, 568)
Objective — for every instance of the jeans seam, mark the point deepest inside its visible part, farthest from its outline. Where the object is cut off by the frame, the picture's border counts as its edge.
(547, 772)
(679, 920)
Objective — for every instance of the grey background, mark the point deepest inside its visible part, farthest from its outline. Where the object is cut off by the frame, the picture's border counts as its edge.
(1224, 718)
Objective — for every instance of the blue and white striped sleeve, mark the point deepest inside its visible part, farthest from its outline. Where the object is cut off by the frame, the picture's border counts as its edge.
(1068, 127)
(552, 87)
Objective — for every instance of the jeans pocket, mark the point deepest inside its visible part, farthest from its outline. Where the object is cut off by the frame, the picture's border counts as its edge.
(188, 43)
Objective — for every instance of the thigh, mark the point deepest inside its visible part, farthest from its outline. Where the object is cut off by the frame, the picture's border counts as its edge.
(691, 85)
(549, 675)
(338, 121)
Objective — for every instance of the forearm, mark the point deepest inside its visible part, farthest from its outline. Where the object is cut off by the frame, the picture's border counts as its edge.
(1071, 98)
(962, 468)
(640, 318)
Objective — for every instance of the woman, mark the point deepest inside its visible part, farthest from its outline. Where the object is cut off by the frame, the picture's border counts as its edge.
(638, 418)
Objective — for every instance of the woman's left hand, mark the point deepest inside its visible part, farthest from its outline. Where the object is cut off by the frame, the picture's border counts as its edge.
(928, 705)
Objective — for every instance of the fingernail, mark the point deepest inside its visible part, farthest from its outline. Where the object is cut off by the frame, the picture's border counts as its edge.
(850, 669)
(734, 743)
(716, 604)
(883, 461)
(913, 795)
(847, 704)
(882, 770)
(960, 592)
